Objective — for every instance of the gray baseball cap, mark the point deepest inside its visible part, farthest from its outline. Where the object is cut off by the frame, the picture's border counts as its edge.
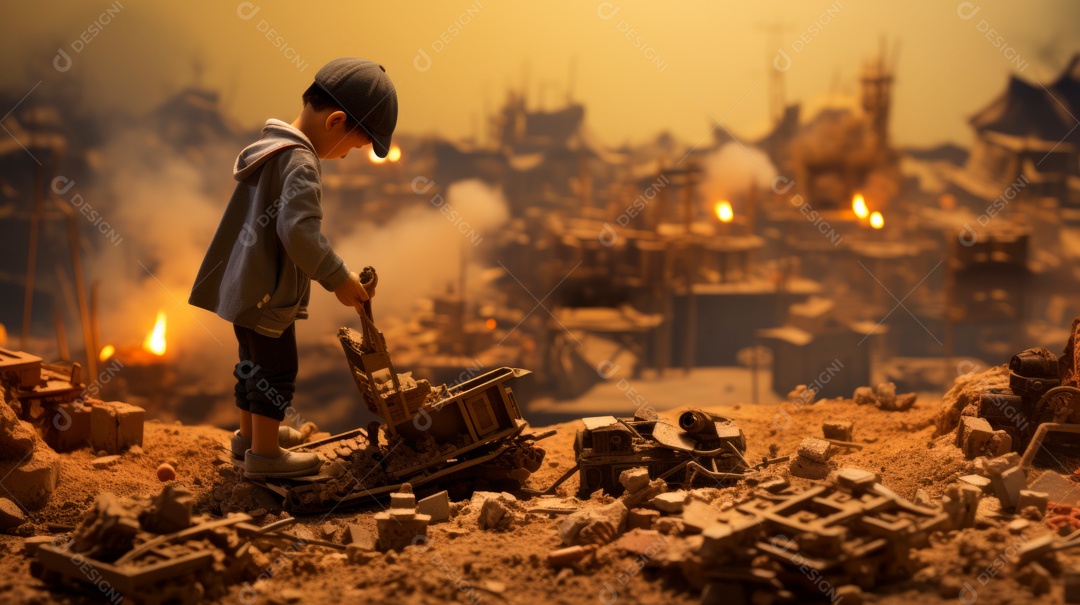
(365, 92)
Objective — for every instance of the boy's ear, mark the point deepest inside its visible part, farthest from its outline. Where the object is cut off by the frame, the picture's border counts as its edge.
(335, 119)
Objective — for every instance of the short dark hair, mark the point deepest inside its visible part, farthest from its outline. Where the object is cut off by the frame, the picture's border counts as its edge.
(319, 100)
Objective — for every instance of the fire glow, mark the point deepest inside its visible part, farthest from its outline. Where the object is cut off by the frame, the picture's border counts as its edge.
(724, 212)
(858, 204)
(155, 341)
(877, 221)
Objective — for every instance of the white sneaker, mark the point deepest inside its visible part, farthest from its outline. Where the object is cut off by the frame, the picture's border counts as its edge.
(287, 437)
(289, 464)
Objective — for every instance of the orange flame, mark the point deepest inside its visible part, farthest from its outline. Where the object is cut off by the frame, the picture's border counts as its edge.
(858, 204)
(724, 212)
(374, 158)
(155, 341)
(394, 154)
(107, 351)
(877, 221)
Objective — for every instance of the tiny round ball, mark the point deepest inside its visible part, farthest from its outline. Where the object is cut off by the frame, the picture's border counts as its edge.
(166, 472)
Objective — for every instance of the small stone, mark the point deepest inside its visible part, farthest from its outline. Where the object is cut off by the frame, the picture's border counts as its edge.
(1028, 497)
(11, 516)
(864, 396)
(840, 430)
(166, 472)
(671, 502)
(775, 486)
(1017, 526)
(135, 450)
(856, 478)
(105, 461)
(886, 394)
(815, 449)
(977, 481)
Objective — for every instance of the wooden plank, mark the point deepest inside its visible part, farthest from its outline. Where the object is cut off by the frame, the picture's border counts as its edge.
(76, 567)
(184, 533)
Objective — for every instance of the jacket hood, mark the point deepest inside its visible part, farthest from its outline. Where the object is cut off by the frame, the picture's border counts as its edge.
(276, 135)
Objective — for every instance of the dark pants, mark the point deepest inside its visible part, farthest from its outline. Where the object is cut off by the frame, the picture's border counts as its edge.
(266, 374)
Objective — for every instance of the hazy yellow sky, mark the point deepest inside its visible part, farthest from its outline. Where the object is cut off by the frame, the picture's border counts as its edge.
(641, 67)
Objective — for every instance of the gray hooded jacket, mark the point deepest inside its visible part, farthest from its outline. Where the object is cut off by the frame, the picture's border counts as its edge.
(269, 246)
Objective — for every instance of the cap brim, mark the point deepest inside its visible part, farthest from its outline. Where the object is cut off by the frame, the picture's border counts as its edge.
(379, 142)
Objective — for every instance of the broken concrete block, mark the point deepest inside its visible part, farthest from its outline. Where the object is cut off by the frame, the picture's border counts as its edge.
(643, 542)
(1057, 487)
(1007, 486)
(116, 426)
(105, 461)
(978, 481)
(864, 395)
(436, 506)
(402, 526)
(641, 518)
(669, 525)
(841, 430)
(803, 467)
(33, 543)
(961, 503)
(634, 479)
(996, 465)
(594, 526)
(698, 515)
(972, 425)
(671, 502)
(497, 511)
(403, 500)
(856, 479)
(34, 480)
(1028, 497)
(11, 516)
(815, 449)
(70, 429)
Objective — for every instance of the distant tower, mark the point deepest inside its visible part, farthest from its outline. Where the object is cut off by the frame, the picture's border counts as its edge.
(877, 79)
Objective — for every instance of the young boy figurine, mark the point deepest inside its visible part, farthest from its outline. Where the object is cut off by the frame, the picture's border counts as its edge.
(269, 246)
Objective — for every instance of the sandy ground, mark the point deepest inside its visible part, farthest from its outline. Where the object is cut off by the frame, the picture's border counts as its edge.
(465, 564)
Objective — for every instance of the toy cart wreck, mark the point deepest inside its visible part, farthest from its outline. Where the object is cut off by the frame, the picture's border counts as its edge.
(703, 450)
(430, 436)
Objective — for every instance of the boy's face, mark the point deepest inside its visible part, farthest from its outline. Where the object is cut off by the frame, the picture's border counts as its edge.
(339, 138)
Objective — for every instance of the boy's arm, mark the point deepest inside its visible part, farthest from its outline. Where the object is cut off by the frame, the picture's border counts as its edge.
(299, 227)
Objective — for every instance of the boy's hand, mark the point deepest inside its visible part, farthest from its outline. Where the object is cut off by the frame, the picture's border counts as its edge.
(351, 293)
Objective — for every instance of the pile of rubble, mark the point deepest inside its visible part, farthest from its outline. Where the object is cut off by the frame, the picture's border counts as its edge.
(29, 467)
(884, 396)
(156, 551)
